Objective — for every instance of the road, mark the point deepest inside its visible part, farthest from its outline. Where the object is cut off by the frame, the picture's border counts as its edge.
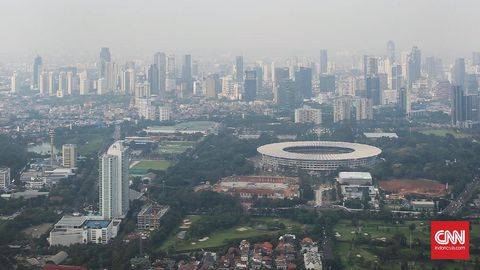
(456, 205)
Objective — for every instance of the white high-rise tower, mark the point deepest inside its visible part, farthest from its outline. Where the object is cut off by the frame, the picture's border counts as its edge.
(114, 199)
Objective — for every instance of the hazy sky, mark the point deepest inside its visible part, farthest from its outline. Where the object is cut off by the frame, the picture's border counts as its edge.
(137, 28)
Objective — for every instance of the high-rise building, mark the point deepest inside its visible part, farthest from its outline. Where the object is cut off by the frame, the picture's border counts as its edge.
(152, 77)
(327, 83)
(4, 177)
(403, 102)
(349, 108)
(114, 182)
(128, 81)
(286, 96)
(303, 82)
(104, 58)
(458, 105)
(37, 70)
(373, 90)
(187, 80)
(164, 113)
(62, 84)
(14, 83)
(171, 82)
(396, 77)
(43, 83)
(160, 59)
(323, 61)
(69, 155)
(250, 85)
(239, 69)
(142, 90)
(308, 115)
(458, 74)
(211, 86)
(414, 65)
(391, 51)
(476, 58)
(84, 83)
(52, 84)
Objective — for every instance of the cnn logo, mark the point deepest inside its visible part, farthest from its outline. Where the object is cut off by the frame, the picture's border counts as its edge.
(450, 240)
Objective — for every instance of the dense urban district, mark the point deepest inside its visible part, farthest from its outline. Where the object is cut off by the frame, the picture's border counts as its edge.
(292, 163)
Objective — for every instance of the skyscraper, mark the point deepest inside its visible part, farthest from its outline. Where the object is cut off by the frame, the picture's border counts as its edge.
(239, 70)
(160, 59)
(391, 51)
(211, 86)
(403, 102)
(171, 82)
(286, 96)
(373, 91)
(303, 82)
(14, 83)
(458, 105)
(37, 71)
(458, 74)
(114, 192)
(414, 65)
(187, 81)
(323, 61)
(250, 85)
(152, 77)
(396, 79)
(69, 155)
(104, 58)
(62, 84)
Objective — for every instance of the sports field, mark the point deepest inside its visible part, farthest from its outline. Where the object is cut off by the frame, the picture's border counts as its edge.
(142, 167)
(443, 132)
(168, 148)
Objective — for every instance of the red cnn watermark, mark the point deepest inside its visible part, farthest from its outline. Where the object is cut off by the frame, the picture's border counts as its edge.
(450, 240)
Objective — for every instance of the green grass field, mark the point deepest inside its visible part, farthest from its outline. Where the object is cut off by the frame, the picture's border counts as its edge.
(359, 254)
(143, 166)
(173, 147)
(222, 237)
(443, 132)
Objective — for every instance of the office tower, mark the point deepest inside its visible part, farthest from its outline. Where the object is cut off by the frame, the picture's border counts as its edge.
(211, 86)
(101, 87)
(471, 108)
(104, 58)
(160, 59)
(228, 87)
(70, 83)
(471, 83)
(187, 81)
(43, 83)
(279, 74)
(14, 83)
(239, 70)
(152, 77)
(171, 81)
(458, 74)
(327, 83)
(365, 65)
(476, 58)
(62, 84)
(391, 51)
(373, 90)
(323, 61)
(52, 87)
(37, 70)
(259, 71)
(372, 66)
(403, 102)
(69, 155)
(114, 192)
(127, 84)
(286, 96)
(303, 82)
(396, 79)
(458, 105)
(142, 90)
(308, 115)
(84, 83)
(250, 85)
(414, 65)
(5, 180)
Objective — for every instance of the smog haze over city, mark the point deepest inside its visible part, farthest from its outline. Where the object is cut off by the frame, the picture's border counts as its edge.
(238, 135)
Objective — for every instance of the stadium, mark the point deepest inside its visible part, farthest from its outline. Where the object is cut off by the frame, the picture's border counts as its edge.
(320, 156)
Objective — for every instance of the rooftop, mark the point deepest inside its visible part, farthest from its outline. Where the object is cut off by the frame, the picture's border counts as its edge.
(355, 175)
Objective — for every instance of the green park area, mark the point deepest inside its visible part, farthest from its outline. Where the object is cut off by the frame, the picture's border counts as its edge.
(171, 148)
(143, 166)
(443, 132)
(255, 227)
(364, 244)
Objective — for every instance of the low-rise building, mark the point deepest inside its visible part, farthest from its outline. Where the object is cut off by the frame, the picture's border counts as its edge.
(71, 230)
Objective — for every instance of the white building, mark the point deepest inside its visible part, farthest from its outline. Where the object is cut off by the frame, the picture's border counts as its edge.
(14, 83)
(308, 115)
(69, 154)
(114, 182)
(71, 230)
(354, 178)
(164, 113)
(4, 177)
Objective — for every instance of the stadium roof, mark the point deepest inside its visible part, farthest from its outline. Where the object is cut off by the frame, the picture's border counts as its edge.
(358, 150)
